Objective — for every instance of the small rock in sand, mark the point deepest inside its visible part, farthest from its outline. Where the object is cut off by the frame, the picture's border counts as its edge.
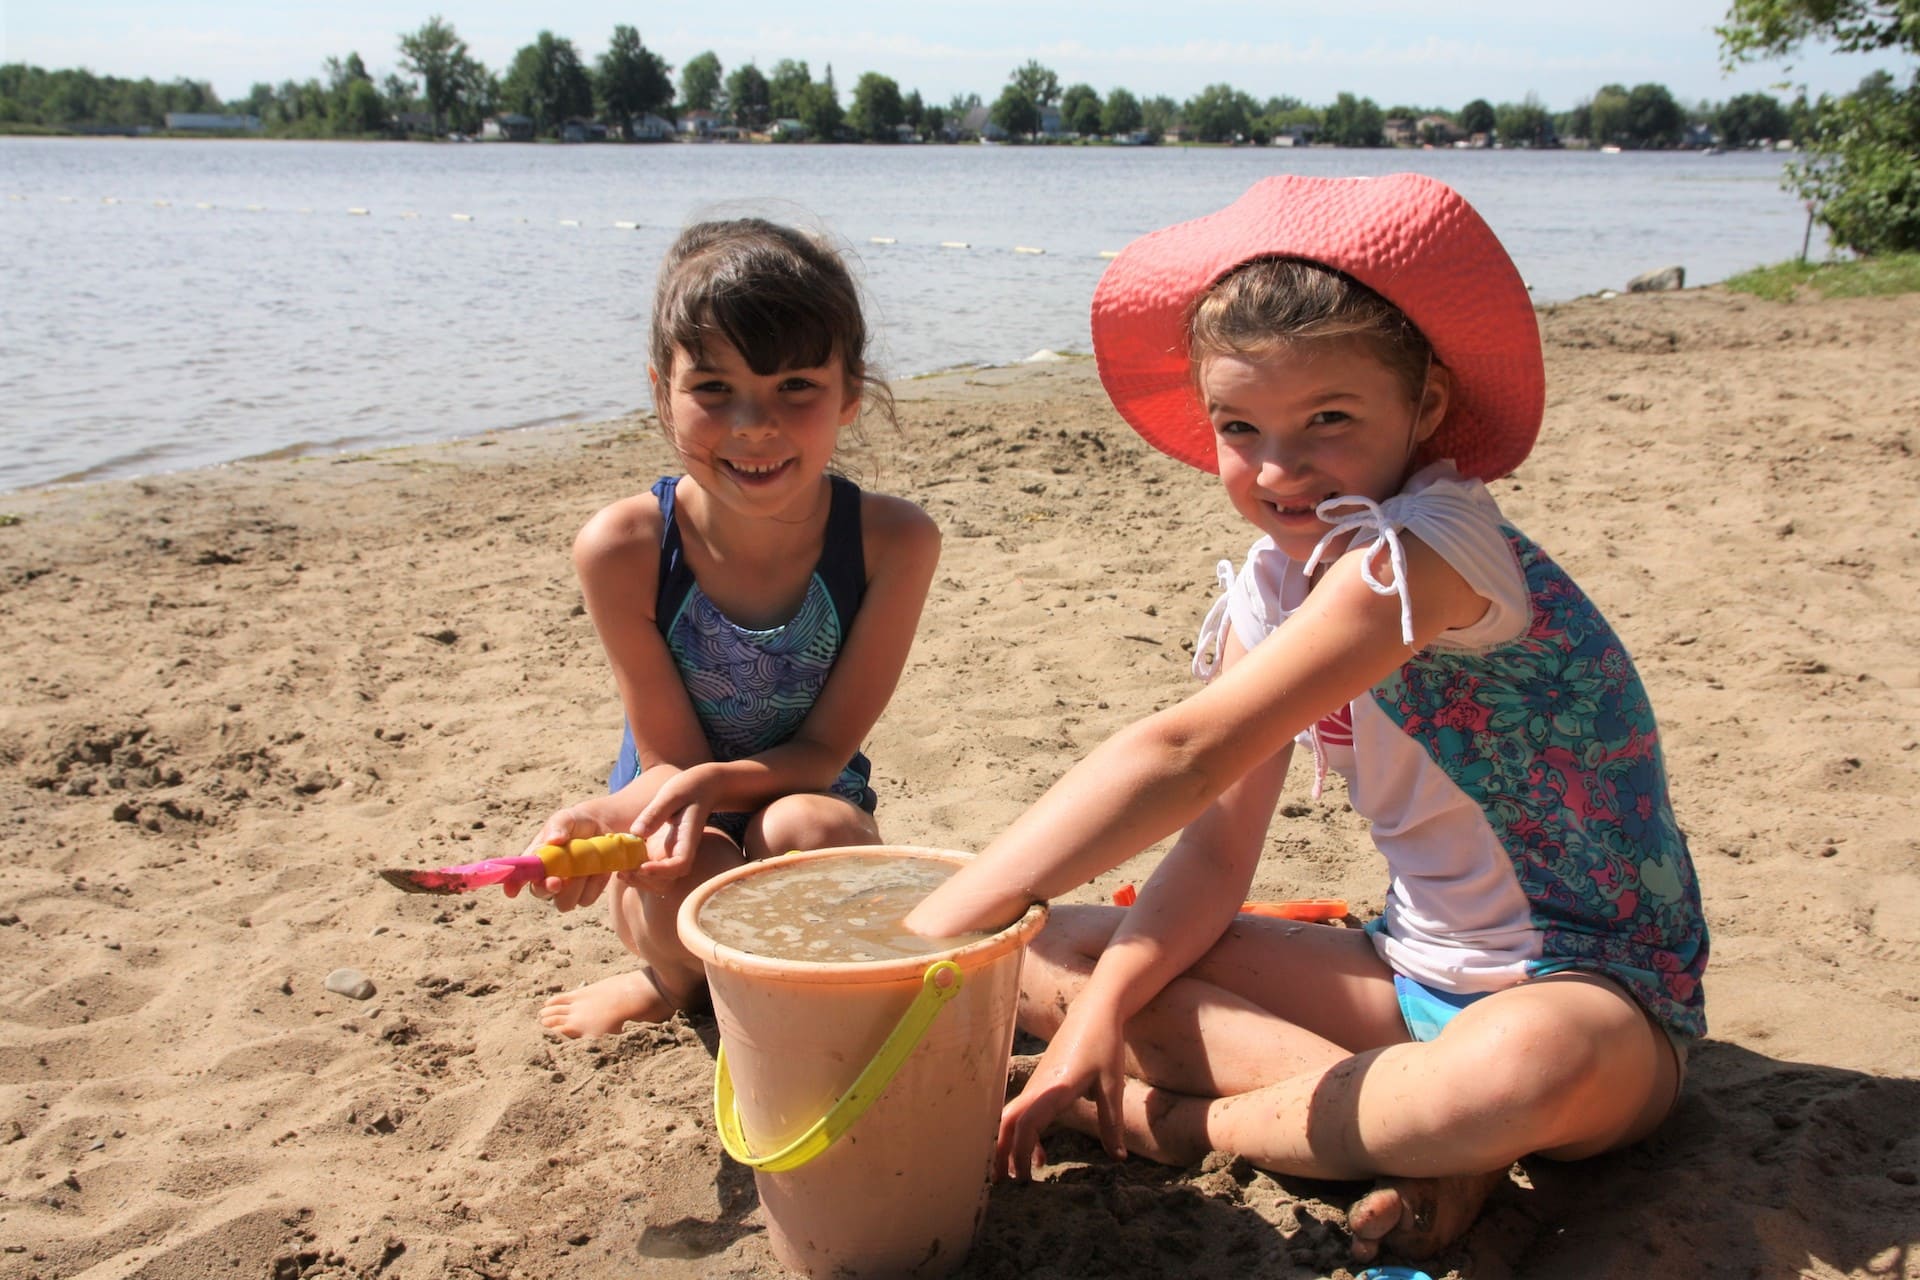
(351, 983)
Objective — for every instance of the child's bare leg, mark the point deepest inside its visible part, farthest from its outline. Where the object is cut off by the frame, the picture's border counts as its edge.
(1567, 1066)
(1271, 1000)
(648, 926)
(808, 821)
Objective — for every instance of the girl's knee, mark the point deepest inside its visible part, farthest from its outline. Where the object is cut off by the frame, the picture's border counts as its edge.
(1569, 1072)
(1075, 935)
(808, 821)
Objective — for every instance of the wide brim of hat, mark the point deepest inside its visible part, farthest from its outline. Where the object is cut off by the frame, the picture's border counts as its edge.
(1409, 238)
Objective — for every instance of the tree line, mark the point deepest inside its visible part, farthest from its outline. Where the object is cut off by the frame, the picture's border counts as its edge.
(440, 86)
(1860, 173)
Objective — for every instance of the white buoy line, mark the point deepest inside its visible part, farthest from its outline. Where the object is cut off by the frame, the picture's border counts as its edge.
(360, 211)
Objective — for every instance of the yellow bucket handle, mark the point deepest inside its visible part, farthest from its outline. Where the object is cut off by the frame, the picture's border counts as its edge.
(939, 984)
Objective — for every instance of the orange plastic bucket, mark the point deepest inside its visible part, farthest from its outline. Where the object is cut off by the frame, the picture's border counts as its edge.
(865, 1094)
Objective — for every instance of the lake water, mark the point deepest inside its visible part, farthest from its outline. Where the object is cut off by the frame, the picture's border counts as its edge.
(169, 304)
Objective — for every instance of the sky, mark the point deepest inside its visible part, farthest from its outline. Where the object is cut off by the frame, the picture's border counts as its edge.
(1394, 51)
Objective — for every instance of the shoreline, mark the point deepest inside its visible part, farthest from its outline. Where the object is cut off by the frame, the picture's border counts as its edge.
(235, 693)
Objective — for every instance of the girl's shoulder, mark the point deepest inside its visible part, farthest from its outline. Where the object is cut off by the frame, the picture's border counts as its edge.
(622, 532)
(895, 515)
(896, 531)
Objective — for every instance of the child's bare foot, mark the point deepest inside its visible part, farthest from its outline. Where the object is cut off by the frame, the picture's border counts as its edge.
(602, 1008)
(1418, 1217)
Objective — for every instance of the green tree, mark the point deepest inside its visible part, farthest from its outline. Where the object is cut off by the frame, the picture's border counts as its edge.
(363, 111)
(399, 92)
(1477, 117)
(1039, 83)
(1016, 112)
(1219, 113)
(631, 80)
(787, 89)
(548, 83)
(933, 121)
(821, 112)
(1654, 119)
(1758, 29)
(749, 97)
(876, 108)
(452, 78)
(1862, 167)
(1524, 124)
(1080, 110)
(1610, 121)
(700, 82)
(1748, 118)
(1354, 122)
(913, 110)
(1158, 115)
(1121, 114)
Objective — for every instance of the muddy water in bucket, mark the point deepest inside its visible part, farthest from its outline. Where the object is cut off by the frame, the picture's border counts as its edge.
(862, 1079)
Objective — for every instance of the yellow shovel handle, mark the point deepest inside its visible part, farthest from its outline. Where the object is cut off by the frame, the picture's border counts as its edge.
(939, 984)
(593, 856)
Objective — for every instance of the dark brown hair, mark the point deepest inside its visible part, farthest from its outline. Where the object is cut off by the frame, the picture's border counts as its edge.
(782, 298)
(1278, 302)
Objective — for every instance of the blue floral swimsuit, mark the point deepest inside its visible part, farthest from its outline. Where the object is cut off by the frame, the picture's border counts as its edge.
(1511, 771)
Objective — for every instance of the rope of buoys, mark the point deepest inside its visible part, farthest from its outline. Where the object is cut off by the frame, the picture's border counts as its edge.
(360, 211)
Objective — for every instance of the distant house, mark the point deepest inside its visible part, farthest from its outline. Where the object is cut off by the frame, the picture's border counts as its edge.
(651, 128)
(414, 122)
(904, 132)
(1296, 135)
(1436, 130)
(511, 127)
(1400, 131)
(1700, 136)
(208, 122)
(979, 123)
(1050, 123)
(699, 124)
(580, 129)
(788, 129)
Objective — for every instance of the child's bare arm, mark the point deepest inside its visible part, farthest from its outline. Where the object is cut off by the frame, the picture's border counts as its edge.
(1157, 775)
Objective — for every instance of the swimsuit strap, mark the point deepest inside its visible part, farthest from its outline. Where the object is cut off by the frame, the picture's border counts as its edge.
(843, 555)
(675, 576)
(1369, 517)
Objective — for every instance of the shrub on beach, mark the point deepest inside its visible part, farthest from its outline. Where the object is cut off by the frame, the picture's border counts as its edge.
(1862, 172)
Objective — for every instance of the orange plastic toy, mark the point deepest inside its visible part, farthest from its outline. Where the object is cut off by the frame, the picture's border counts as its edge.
(1311, 909)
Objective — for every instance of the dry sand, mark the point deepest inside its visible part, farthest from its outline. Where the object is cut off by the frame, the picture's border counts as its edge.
(230, 695)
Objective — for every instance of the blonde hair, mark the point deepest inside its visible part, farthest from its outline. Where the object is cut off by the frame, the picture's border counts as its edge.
(1281, 302)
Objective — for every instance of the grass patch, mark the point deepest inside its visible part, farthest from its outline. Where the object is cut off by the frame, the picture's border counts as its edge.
(1860, 278)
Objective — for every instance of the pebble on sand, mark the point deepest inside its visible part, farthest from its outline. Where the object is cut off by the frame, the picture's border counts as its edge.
(351, 983)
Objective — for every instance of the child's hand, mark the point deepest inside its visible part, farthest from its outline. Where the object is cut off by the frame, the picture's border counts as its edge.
(1086, 1057)
(673, 824)
(577, 891)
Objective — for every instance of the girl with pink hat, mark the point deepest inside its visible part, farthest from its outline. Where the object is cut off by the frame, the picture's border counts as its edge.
(1355, 358)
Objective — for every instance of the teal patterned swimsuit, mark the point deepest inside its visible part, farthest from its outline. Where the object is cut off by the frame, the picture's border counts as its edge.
(752, 688)
(1554, 737)
(1510, 771)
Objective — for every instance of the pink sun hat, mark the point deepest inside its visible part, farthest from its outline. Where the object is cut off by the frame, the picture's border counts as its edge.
(1412, 240)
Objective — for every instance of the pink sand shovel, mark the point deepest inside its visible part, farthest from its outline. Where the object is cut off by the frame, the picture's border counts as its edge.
(598, 855)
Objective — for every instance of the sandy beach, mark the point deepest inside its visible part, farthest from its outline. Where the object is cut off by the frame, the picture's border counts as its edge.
(229, 696)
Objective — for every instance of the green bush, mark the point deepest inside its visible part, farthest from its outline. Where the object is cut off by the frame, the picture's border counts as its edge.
(1863, 167)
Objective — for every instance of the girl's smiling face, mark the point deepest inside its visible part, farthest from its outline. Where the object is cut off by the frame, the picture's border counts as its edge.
(756, 441)
(1297, 424)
